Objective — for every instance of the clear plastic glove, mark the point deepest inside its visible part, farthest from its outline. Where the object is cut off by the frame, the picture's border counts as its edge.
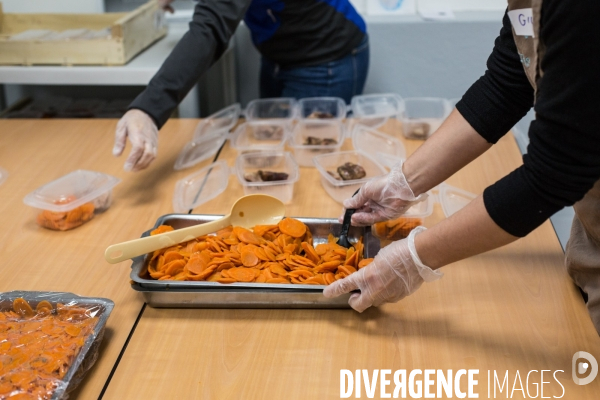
(383, 198)
(395, 273)
(143, 135)
(166, 5)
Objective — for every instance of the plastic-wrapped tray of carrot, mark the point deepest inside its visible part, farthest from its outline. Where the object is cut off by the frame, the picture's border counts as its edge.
(285, 265)
(48, 341)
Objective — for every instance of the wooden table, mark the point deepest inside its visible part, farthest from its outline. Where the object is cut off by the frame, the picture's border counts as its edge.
(511, 309)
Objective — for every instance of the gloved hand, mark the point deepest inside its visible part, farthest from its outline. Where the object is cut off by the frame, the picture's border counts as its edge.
(165, 5)
(395, 273)
(143, 135)
(383, 198)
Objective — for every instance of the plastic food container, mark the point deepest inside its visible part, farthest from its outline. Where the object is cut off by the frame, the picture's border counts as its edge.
(72, 200)
(200, 149)
(375, 143)
(73, 314)
(312, 131)
(340, 190)
(423, 116)
(453, 199)
(387, 160)
(374, 109)
(268, 135)
(200, 187)
(400, 228)
(251, 163)
(283, 108)
(224, 119)
(322, 108)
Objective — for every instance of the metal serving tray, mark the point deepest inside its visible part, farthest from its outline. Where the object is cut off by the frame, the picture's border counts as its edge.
(242, 295)
(89, 352)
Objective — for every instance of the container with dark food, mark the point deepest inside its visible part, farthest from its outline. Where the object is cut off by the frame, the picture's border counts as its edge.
(259, 135)
(321, 108)
(423, 116)
(263, 173)
(72, 200)
(351, 164)
(312, 137)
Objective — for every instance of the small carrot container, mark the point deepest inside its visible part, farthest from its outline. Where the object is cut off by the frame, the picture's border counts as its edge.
(72, 200)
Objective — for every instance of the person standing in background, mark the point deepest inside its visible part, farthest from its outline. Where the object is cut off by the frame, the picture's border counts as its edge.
(309, 48)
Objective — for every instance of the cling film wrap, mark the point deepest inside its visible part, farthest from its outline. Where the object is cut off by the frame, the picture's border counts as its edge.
(48, 342)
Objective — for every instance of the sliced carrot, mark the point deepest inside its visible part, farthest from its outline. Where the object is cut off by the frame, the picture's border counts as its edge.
(329, 278)
(292, 227)
(330, 266)
(310, 252)
(249, 259)
(347, 269)
(278, 269)
(242, 274)
(364, 262)
(226, 265)
(174, 267)
(172, 256)
(161, 229)
(226, 280)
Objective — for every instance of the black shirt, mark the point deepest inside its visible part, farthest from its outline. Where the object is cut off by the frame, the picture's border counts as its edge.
(563, 157)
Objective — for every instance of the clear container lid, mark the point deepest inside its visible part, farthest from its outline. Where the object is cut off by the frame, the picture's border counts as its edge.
(224, 119)
(331, 161)
(84, 186)
(422, 209)
(273, 161)
(3, 175)
(274, 108)
(377, 105)
(200, 149)
(453, 199)
(387, 160)
(426, 107)
(317, 129)
(375, 143)
(200, 187)
(260, 135)
(322, 108)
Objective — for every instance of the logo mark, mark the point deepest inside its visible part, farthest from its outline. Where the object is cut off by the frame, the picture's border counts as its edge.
(583, 366)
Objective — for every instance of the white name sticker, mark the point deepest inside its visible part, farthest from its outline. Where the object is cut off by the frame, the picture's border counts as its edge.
(522, 21)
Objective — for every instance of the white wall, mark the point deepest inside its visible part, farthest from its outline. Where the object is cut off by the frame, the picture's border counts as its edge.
(408, 56)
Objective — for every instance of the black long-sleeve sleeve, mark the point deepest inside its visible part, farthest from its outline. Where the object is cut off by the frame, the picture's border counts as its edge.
(563, 158)
(213, 24)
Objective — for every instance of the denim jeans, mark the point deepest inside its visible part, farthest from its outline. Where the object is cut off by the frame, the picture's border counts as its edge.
(341, 78)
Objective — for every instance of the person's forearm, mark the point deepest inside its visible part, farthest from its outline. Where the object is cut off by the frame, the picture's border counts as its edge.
(469, 232)
(454, 145)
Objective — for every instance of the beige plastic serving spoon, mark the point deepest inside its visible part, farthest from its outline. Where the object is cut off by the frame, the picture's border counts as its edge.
(248, 211)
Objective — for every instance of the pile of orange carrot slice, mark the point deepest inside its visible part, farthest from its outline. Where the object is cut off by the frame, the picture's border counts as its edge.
(38, 346)
(282, 253)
